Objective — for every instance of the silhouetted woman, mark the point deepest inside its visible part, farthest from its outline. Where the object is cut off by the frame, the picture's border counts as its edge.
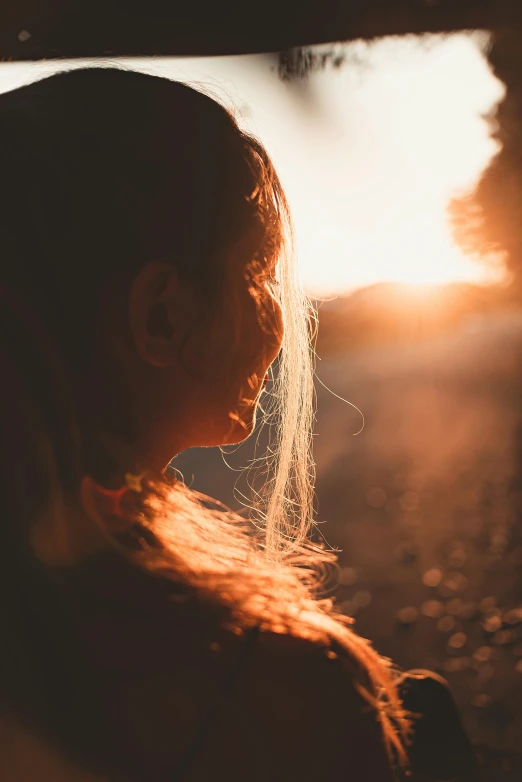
(147, 284)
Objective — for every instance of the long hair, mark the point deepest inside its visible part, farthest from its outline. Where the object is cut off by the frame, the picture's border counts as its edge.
(103, 169)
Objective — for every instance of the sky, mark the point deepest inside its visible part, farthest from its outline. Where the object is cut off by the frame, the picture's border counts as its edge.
(369, 154)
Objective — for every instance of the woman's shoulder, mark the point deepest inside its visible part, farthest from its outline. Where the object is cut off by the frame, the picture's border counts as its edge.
(297, 711)
(274, 707)
(185, 688)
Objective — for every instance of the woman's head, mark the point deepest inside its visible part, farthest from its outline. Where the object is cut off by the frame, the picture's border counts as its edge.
(152, 227)
(144, 231)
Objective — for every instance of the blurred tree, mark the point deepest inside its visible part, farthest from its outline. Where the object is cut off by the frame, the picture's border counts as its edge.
(488, 221)
(299, 62)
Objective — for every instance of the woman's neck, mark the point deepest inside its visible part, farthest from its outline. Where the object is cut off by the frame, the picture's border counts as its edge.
(64, 536)
(74, 526)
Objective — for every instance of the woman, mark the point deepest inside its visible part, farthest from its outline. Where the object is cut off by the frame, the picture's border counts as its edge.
(146, 287)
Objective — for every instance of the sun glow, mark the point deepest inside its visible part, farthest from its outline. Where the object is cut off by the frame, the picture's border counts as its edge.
(398, 138)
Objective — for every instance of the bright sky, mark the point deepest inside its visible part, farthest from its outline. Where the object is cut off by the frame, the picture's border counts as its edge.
(369, 154)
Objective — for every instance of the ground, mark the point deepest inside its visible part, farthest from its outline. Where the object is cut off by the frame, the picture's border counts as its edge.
(426, 506)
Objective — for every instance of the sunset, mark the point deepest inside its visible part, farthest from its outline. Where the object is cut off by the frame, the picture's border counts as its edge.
(263, 509)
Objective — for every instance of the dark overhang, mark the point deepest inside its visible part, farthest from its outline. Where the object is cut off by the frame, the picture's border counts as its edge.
(36, 29)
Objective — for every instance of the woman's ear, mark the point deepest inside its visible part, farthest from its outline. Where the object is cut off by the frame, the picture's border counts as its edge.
(156, 313)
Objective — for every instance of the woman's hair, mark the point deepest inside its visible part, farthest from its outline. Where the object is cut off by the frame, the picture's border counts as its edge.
(102, 170)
